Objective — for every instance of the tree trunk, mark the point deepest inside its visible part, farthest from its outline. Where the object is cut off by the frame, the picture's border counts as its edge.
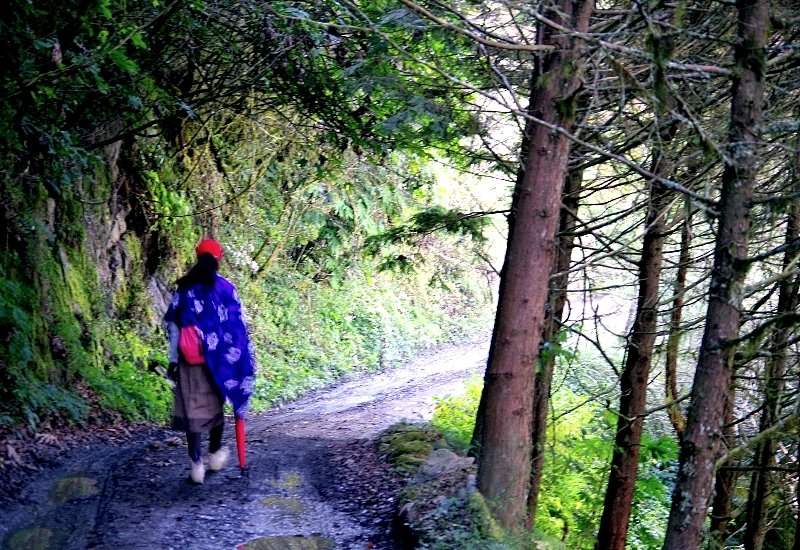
(703, 436)
(724, 482)
(676, 417)
(796, 544)
(503, 431)
(635, 376)
(552, 322)
(764, 454)
(613, 529)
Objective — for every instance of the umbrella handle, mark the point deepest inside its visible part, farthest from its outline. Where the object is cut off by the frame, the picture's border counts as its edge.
(240, 441)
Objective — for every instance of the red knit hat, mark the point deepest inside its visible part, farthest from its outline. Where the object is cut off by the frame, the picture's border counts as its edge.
(209, 246)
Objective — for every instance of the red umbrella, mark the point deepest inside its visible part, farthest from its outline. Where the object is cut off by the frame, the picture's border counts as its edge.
(240, 442)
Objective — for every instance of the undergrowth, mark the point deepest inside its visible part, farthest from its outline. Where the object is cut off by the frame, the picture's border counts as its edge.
(580, 439)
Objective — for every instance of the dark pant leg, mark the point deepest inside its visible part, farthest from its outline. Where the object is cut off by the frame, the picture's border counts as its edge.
(215, 439)
(193, 442)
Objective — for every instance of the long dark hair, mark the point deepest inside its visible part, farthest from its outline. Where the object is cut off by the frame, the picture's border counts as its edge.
(203, 272)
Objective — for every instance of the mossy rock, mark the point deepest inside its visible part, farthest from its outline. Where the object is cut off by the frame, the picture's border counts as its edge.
(407, 446)
(417, 448)
(407, 463)
(410, 436)
(443, 512)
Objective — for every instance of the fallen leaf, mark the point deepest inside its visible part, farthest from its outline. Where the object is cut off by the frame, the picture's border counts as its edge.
(48, 439)
(13, 455)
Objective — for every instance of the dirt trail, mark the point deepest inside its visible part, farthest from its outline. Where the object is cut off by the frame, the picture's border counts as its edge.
(313, 481)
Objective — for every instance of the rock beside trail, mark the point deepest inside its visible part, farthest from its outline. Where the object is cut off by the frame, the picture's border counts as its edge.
(443, 462)
(440, 506)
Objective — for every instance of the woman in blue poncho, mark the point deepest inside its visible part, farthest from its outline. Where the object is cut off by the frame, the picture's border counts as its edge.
(210, 356)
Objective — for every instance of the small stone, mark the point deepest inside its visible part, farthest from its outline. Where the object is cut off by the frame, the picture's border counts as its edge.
(444, 461)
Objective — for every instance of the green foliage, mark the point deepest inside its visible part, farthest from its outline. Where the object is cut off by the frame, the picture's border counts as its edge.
(307, 335)
(454, 415)
(349, 76)
(400, 245)
(578, 452)
(293, 157)
(128, 381)
(573, 481)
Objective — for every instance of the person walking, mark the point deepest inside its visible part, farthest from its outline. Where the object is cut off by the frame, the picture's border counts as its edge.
(210, 357)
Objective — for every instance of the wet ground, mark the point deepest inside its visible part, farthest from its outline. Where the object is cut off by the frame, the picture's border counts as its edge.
(313, 480)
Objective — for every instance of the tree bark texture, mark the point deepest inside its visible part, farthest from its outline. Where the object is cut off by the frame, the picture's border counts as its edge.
(635, 375)
(703, 436)
(552, 322)
(724, 482)
(503, 429)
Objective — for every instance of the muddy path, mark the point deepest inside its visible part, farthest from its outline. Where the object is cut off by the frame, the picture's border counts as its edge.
(314, 478)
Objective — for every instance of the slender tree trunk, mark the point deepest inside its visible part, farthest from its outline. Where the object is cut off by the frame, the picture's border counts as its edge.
(703, 436)
(635, 376)
(618, 501)
(503, 431)
(673, 340)
(764, 454)
(724, 482)
(796, 544)
(552, 323)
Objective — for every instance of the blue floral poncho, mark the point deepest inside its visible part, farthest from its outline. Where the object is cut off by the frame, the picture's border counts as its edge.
(217, 312)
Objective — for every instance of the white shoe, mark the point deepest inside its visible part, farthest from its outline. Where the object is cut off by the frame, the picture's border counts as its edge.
(217, 460)
(198, 472)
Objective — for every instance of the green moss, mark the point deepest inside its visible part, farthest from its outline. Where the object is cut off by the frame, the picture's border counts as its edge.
(34, 538)
(407, 446)
(417, 448)
(130, 296)
(53, 306)
(487, 525)
(440, 512)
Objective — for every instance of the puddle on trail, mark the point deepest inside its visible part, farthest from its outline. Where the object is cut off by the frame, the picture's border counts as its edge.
(35, 538)
(288, 543)
(288, 481)
(291, 506)
(71, 488)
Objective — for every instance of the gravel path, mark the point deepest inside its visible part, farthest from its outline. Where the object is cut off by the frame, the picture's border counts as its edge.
(314, 478)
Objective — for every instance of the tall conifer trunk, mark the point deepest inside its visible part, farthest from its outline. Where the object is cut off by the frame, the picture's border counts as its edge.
(724, 482)
(553, 316)
(635, 376)
(701, 444)
(503, 429)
